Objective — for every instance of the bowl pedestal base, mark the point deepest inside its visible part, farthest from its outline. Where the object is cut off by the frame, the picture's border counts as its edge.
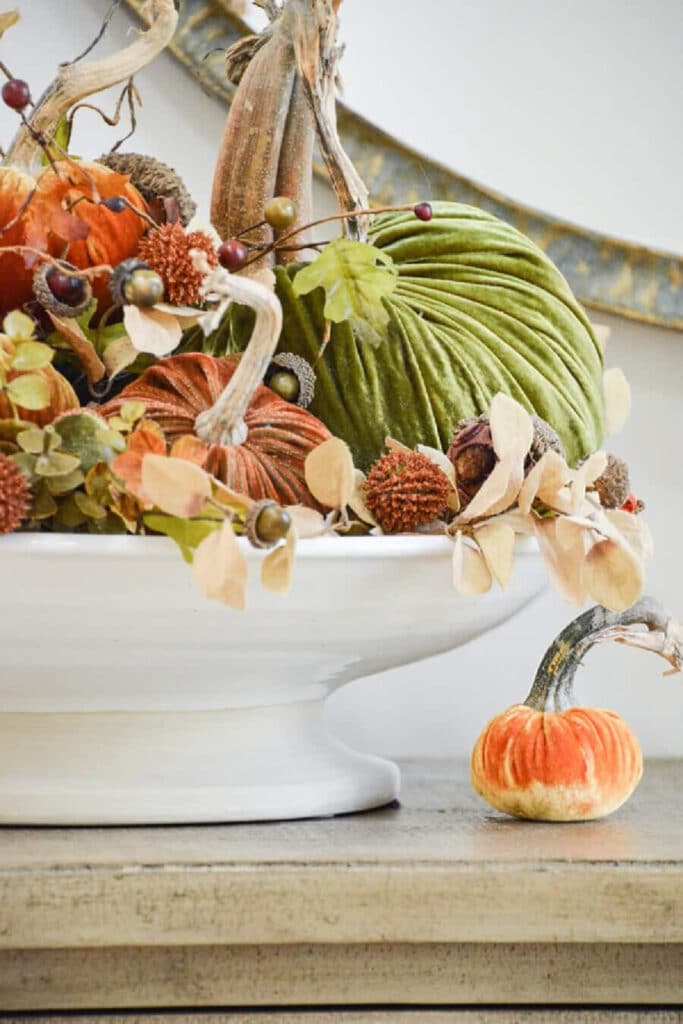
(144, 767)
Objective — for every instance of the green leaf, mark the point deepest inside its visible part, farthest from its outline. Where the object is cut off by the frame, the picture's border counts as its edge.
(19, 326)
(32, 355)
(55, 464)
(355, 277)
(31, 440)
(89, 507)
(44, 505)
(85, 436)
(29, 391)
(60, 142)
(58, 485)
(187, 533)
(131, 412)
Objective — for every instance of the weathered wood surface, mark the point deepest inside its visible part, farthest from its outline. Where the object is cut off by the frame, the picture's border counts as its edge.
(393, 1016)
(439, 868)
(337, 975)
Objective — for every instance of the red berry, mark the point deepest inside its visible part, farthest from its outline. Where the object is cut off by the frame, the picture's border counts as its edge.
(631, 504)
(423, 211)
(233, 255)
(65, 288)
(16, 94)
(116, 204)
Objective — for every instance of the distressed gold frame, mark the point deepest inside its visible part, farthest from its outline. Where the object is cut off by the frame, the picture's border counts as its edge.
(605, 273)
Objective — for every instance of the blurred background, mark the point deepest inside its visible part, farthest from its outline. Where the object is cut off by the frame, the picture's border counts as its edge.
(570, 108)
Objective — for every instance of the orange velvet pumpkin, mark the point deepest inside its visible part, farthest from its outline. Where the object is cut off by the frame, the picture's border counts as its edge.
(270, 462)
(549, 761)
(62, 398)
(60, 220)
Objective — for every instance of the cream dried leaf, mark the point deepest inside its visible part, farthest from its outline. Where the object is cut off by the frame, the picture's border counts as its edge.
(440, 460)
(330, 473)
(220, 569)
(277, 568)
(306, 521)
(151, 330)
(564, 563)
(471, 574)
(118, 356)
(177, 487)
(634, 530)
(499, 491)
(617, 393)
(496, 542)
(512, 429)
(544, 481)
(357, 500)
(613, 575)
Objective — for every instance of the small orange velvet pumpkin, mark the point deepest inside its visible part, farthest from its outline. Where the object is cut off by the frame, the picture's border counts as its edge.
(270, 461)
(550, 761)
(61, 220)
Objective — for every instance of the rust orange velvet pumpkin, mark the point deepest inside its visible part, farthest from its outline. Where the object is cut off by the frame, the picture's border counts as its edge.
(549, 761)
(270, 461)
(61, 220)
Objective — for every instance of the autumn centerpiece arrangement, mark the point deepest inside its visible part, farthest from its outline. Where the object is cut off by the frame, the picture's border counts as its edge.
(267, 376)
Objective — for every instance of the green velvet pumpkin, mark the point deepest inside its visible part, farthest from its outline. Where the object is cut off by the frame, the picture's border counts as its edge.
(478, 309)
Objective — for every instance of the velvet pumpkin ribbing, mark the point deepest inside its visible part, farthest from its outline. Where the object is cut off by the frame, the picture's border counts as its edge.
(478, 309)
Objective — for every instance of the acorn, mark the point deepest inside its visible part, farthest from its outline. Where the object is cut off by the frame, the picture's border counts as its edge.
(405, 490)
(292, 378)
(155, 181)
(61, 289)
(15, 495)
(267, 524)
(135, 283)
(613, 487)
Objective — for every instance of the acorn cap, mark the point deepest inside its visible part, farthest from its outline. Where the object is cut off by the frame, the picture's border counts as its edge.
(121, 275)
(49, 301)
(154, 180)
(613, 486)
(546, 439)
(302, 370)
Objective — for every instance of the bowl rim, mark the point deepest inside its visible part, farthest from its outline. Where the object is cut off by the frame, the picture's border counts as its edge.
(71, 545)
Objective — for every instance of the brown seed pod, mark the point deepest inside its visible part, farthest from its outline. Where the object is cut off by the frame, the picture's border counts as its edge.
(155, 181)
(613, 486)
(81, 291)
(15, 495)
(405, 490)
(301, 369)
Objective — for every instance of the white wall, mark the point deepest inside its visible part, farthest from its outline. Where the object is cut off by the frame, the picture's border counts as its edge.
(570, 107)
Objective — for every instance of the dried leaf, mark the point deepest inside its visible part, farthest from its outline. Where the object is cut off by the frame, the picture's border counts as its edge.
(220, 569)
(440, 460)
(512, 429)
(330, 474)
(151, 330)
(177, 487)
(119, 355)
(191, 449)
(543, 481)
(7, 19)
(617, 393)
(635, 532)
(306, 521)
(613, 575)
(587, 473)
(470, 572)
(564, 564)
(499, 490)
(497, 541)
(278, 566)
(357, 500)
(392, 445)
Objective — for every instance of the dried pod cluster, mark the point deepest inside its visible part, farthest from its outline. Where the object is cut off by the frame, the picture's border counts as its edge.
(405, 490)
(15, 495)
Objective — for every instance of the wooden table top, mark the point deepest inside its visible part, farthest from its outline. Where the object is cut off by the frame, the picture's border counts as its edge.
(441, 867)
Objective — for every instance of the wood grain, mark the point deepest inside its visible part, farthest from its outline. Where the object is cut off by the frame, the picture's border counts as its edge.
(440, 868)
(393, 1016)
(377, 974)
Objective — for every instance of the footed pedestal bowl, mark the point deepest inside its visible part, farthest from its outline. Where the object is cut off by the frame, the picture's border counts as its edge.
(126, 697)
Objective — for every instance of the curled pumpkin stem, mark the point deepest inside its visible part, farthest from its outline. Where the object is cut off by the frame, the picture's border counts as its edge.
(224, 422)
(553, 687)
(76, 81)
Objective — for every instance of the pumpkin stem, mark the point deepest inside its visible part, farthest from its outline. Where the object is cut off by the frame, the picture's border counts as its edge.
(224, 422)
(553, 688)
(75, 81)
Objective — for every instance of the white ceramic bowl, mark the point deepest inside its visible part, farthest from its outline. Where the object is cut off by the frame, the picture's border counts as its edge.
(127, 697)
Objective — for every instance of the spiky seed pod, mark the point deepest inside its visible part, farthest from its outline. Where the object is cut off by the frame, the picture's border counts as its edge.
(471, 452)
(405, 490)
(613, 486)
(302, 370)
(15, 495)
(545, 440)
(47, 298)
(154, 180)
(167, 251)
(122, 274)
